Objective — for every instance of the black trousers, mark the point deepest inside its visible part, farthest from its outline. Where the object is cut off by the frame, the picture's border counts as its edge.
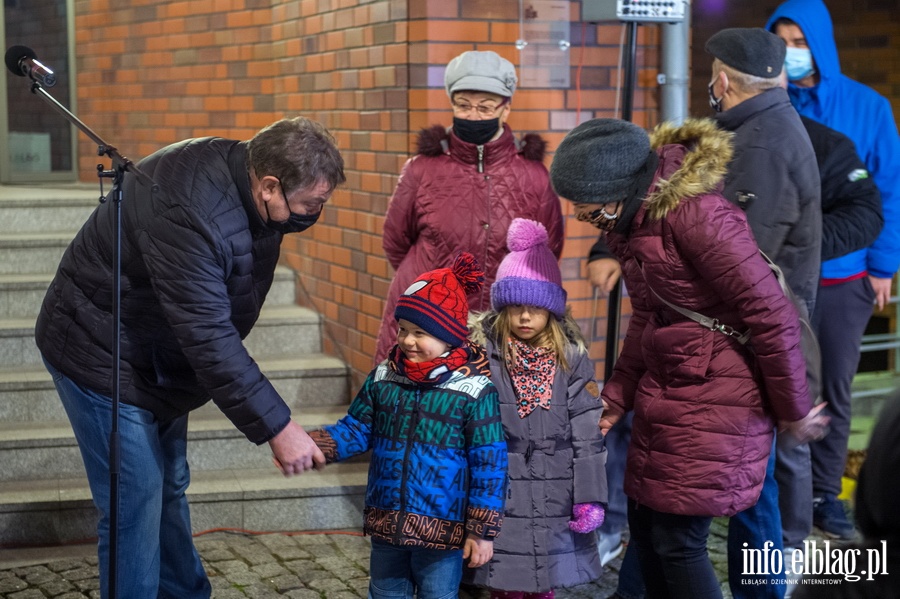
(672, 554)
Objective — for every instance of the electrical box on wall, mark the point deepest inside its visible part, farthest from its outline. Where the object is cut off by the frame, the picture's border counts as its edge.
(644, 11)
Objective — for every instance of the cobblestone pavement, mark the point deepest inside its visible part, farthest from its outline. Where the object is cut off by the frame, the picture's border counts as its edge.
(300, 566)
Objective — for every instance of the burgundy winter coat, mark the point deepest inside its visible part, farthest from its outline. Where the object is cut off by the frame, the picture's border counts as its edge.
(456, 196)
(704, 405)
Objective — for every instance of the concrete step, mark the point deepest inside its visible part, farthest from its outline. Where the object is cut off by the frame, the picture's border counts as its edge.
(312, 380)
(26, 209)
(47, 450)
(25, 253)
(261, 499)
(281, 330)
(284, 288)
(21, 294)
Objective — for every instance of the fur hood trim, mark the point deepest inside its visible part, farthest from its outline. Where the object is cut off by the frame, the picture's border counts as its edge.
(703, 168)
(480, 324)
(435, 140)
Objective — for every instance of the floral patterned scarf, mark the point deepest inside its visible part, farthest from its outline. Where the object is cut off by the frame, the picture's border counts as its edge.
(532, 373)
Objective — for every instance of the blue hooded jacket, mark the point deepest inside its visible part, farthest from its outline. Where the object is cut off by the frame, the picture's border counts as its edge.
(863, 115)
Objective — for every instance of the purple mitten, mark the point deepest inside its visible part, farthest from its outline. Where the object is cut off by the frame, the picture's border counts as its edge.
(586, 517)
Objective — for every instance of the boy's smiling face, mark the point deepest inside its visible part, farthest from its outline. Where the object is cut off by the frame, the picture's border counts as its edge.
(416, 344)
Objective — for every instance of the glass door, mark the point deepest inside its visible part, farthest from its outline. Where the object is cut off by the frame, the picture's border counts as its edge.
(38, 144)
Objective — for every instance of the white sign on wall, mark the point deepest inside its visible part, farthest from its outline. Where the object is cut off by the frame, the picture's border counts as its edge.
(29, 152)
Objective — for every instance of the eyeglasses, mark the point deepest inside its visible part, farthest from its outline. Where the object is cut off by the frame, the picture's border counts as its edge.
(482, 109)
(598, 216)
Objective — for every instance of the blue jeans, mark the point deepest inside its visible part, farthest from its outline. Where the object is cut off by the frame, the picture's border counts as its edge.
(407, 572)
(617, 440)
(753, 527)
(156, 554)
(631, 584)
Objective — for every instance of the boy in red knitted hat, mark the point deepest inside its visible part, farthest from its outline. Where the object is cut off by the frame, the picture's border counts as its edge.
(431, 417)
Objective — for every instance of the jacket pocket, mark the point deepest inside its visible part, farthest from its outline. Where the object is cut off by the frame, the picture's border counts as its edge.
(679, 351)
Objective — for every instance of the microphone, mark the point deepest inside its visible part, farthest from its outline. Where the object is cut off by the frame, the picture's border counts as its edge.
(22, 61)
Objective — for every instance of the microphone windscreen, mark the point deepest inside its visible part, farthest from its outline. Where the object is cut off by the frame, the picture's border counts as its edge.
(14, 58)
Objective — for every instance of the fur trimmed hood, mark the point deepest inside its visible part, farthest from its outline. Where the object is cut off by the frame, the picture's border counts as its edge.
(700, 170)
(435, 140)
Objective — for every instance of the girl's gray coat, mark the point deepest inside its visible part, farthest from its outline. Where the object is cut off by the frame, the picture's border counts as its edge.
(557, 458)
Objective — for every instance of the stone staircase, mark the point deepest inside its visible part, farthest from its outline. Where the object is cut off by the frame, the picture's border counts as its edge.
(44, 497)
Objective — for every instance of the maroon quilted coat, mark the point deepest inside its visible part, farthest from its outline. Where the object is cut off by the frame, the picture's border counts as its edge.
(455, 196)
(704, 406)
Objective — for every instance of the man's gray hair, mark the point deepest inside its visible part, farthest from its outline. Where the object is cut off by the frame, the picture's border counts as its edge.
(750, 84)
(299, 152)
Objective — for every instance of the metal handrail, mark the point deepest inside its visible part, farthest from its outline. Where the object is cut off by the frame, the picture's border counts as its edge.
(880, 342)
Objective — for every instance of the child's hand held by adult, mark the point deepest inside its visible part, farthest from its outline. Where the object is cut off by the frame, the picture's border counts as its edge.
(478, 551)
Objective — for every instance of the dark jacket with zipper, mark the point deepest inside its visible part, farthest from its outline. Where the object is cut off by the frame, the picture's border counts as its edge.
(197, 263)
(774, 177)
(851, 203)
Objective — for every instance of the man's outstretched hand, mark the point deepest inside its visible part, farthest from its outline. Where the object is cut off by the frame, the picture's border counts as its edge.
(295, 452)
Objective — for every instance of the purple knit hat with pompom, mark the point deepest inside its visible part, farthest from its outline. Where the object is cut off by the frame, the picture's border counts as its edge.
(529, 275)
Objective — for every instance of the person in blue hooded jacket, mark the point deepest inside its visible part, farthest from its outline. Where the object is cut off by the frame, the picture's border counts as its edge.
(850, 283)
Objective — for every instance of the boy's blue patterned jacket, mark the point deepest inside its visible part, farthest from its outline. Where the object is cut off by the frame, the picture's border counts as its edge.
(438, 467)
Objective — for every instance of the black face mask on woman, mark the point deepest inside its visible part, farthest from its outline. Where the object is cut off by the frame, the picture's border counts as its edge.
(475, 132)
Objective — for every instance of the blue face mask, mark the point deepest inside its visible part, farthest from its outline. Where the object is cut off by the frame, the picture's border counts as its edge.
(798, 63)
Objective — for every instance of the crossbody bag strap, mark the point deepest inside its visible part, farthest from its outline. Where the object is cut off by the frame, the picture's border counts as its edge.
(712, 324)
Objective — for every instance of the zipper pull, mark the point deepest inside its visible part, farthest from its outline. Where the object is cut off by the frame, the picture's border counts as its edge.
(481, 159)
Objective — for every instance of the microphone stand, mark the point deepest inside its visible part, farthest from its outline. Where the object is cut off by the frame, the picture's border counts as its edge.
(120, 165)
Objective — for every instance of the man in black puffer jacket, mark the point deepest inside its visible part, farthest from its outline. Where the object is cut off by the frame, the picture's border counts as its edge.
(198, 258)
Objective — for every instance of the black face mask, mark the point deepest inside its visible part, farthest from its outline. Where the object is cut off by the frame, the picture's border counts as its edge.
(714, 102)
(475, 132)
(296, 223)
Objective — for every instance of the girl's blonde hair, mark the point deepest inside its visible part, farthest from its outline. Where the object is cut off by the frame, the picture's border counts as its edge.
(557, 335)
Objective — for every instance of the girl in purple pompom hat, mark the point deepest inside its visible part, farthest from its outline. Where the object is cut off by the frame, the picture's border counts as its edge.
(549, 406)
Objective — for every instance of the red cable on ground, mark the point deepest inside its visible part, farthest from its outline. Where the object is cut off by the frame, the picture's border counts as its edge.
(294, 533)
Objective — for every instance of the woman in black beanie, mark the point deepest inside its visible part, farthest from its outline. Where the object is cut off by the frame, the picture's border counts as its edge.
(703, 404)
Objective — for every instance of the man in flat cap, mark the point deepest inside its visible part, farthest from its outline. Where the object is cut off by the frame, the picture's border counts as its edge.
(774, 177)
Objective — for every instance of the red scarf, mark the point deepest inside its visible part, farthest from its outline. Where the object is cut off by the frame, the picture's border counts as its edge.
(469, 358)
(532, 375)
